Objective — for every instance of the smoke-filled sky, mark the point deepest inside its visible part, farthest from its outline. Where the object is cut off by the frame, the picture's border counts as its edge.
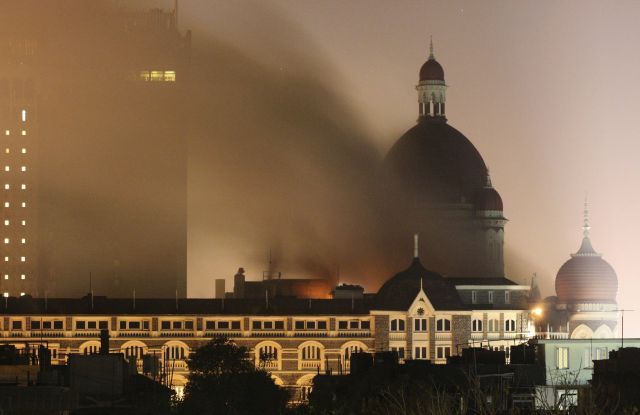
(547, 92)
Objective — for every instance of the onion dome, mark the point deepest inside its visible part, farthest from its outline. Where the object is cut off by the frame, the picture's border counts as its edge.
(488, 198)
(437, 163)
(431, 70)
(586, 277)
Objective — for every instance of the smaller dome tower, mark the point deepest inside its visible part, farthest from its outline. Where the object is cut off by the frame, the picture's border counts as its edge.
(431, 88)
(586, 288)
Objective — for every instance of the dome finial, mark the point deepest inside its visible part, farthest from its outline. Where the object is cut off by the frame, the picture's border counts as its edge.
(585, 225)
(431, 48)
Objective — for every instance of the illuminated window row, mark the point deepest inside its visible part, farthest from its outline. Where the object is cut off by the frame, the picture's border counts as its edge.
(8, 168)
(22, 276)
(22, 132)
(7, 186)
(22, 240)
(7, 150)
(158, 76)
(22, 259)
(7, 204)
(6, 294)
(22, 222)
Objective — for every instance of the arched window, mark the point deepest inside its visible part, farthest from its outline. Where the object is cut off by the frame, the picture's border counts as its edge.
(348, 349)
(443, 324)
(90, 347)
(510, 325)
(176, 350)
(476, 325)
(134, 348)
(268, 355)
(397, 324)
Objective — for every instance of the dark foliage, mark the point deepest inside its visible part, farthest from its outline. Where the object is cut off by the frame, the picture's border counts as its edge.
(224, 382)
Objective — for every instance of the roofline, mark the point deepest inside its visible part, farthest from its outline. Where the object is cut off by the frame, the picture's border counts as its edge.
(494, 287)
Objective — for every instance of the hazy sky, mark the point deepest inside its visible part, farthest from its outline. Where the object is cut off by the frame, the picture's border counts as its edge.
(547, 92)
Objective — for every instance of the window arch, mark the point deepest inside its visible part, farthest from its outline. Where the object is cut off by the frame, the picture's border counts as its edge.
(311, 356)
(268, 355)
(350, 348)
(305, 383)
(603, 332)
(89, 347)
(134, 348)
(175, 350)
(397, 324)
(443, 324)
(582, 332)
(476, 325)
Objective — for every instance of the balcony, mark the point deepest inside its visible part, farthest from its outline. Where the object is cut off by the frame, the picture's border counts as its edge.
(310, 365)
(228, 333)
(86, 333)
(477, 335)
(310, 333)
(47, 333)
(133, 333)
(552, 335)
(271, 364)
(397, 336)
(354, 333)
(176, 333)
(267, 333)
(443, 335)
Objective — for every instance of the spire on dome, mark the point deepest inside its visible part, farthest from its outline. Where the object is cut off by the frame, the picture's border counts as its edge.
(431, 56)
(586, 249)
(585, 224)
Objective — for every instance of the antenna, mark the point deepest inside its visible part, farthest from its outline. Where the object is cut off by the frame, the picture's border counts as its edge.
(176, 299)
(266, 297)
(134, 299)
(91, 289)
(416, 253)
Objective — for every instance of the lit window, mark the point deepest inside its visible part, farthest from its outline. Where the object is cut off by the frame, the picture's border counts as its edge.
(5, 294)
(23, 186)
(157, 75)
(144, 75)
(6, 276)
(24, 150)
(562, 357)
(6, 259)
(7, 168)
(7, 151)
(24, 204)
(24, 132)
(23, 168)
(24, 222)
(6, 204)
(6, 240)
(170, 76)
(7, 132)
(6, 186)
(6, 222)
(23, 259)
(23, 240)
(24, 115)
(22, 277)
(21, 294)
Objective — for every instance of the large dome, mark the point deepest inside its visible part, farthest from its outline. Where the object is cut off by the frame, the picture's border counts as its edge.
(586, 277)
(438, 162)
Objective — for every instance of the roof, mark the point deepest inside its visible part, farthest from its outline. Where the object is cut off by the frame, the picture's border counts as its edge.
(481, 281)
(399, 292)
(192, 306)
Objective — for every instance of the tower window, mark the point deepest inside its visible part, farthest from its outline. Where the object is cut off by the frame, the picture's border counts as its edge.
(24, 222)
(7, 168)
(6, 240)
(24, 115)
(22, 277)
(7, 151)
(24, 204)
(6, 259)
(6, 204)
(6, 276)
(24, 132)
(6, 186)
(23, 186)
(6, 222)
(7, 132)
(23, 168)
(23, 259)
(23, 240)
(23, 151)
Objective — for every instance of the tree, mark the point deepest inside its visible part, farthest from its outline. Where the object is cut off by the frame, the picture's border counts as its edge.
(224, 381)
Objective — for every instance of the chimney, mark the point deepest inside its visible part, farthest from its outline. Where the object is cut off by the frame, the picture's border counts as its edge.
(220, 288)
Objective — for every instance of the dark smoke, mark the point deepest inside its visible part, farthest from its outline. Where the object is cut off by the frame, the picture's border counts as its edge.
(276, 160)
